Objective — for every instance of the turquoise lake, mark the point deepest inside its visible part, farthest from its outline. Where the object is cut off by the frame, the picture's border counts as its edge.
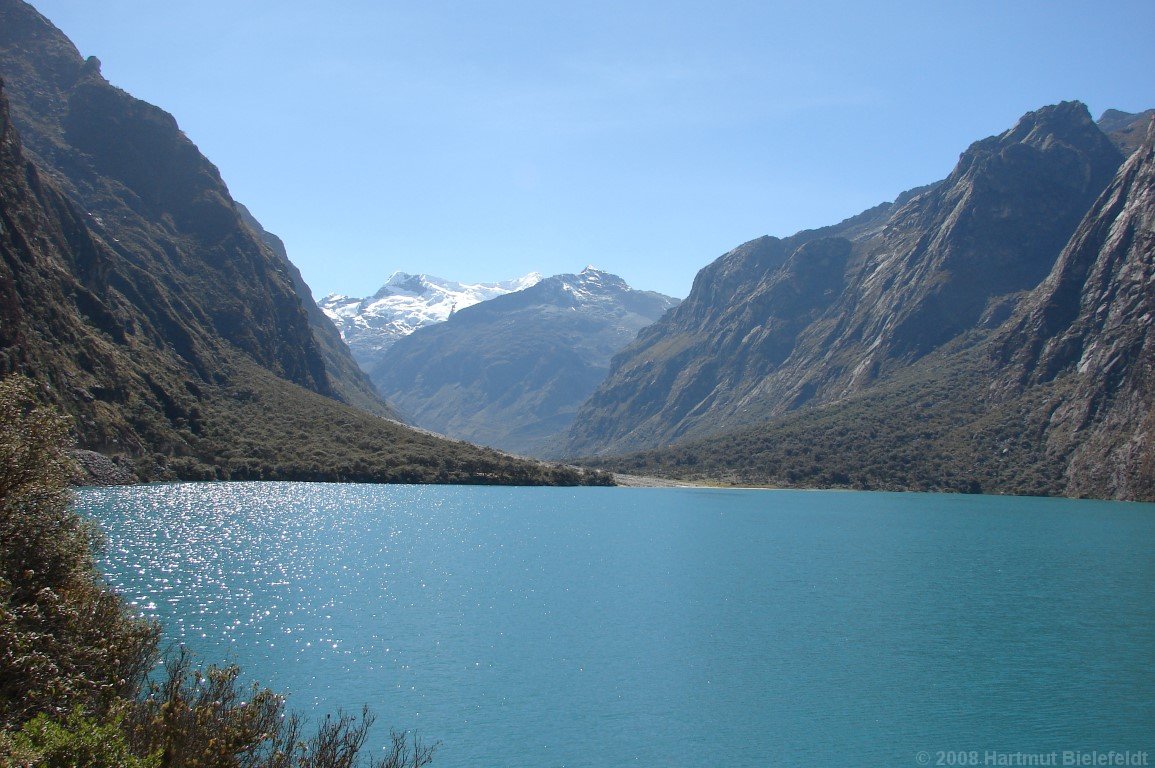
(662, 627)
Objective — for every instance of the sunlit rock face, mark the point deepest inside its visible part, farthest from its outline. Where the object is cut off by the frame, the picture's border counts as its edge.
(777, 324)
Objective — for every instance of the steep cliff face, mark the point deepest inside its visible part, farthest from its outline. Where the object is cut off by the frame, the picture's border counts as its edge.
(1126, 130)
(1058, 399)
(134, 294)
(67, 317)
(992, 228)
(150, 195)
(1087, 328)
(511, 372)
(349, 382)
(873, 298)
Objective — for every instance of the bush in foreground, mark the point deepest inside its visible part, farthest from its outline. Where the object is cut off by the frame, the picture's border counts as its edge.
(74, 660)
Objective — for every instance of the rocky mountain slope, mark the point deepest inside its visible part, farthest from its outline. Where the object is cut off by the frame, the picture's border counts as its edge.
(350, 383)
(1057, 399)
(138, 297)
(405, 303)
(1126, 129)
(1087, 327)
(779, 324)
(511, 372)
(152, 197)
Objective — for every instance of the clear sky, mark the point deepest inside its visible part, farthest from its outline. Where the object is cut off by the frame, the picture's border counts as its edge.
(479, 140)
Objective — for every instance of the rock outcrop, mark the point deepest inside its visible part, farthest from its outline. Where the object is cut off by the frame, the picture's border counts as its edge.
(1087, 328)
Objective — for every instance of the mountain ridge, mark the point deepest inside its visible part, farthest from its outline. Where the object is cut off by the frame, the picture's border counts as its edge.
(510, 372)
(406, 302)
(349, 382)
(950, 257)
(1050, 395)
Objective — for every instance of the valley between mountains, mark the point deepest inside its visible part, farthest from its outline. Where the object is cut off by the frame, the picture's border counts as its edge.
(988, 332)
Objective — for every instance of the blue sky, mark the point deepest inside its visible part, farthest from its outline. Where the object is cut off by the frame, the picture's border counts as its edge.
(483, 140)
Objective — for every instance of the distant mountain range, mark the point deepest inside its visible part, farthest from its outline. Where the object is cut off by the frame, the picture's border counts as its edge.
(151, 307)
(511, 372)
(405, 303)
(987, 332)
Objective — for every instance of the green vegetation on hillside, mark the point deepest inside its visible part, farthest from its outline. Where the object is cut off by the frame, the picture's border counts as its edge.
(75, 662)
(934, 427)
(66, 641)
(260, 427)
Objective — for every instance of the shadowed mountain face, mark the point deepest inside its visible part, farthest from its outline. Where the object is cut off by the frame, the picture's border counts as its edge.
(778, 324)
(511, 372)
(147, 304)
(67, 316)
(152, 198)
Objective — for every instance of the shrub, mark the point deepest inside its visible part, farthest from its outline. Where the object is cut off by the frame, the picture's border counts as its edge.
(78, 741)
(66, 641)
(74, 660)
(195, 718)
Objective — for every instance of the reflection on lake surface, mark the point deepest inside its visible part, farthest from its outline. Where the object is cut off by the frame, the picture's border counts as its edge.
(655, 627)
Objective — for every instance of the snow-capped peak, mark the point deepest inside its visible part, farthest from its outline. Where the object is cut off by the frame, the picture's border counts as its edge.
(521, 283)
(405, 303)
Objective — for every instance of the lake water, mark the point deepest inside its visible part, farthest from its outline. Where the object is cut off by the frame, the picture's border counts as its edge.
(661, 627)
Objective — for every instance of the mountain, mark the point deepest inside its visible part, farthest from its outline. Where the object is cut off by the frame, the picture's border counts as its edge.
(1054, 399)
(136, 294)
(350, 383)
(776, 325)
(1087, 327)
(1125, 129)
(150, 196)
(405, 303)
(511, 372)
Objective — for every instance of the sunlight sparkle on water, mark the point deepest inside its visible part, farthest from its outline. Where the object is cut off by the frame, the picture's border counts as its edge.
(568, 626)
